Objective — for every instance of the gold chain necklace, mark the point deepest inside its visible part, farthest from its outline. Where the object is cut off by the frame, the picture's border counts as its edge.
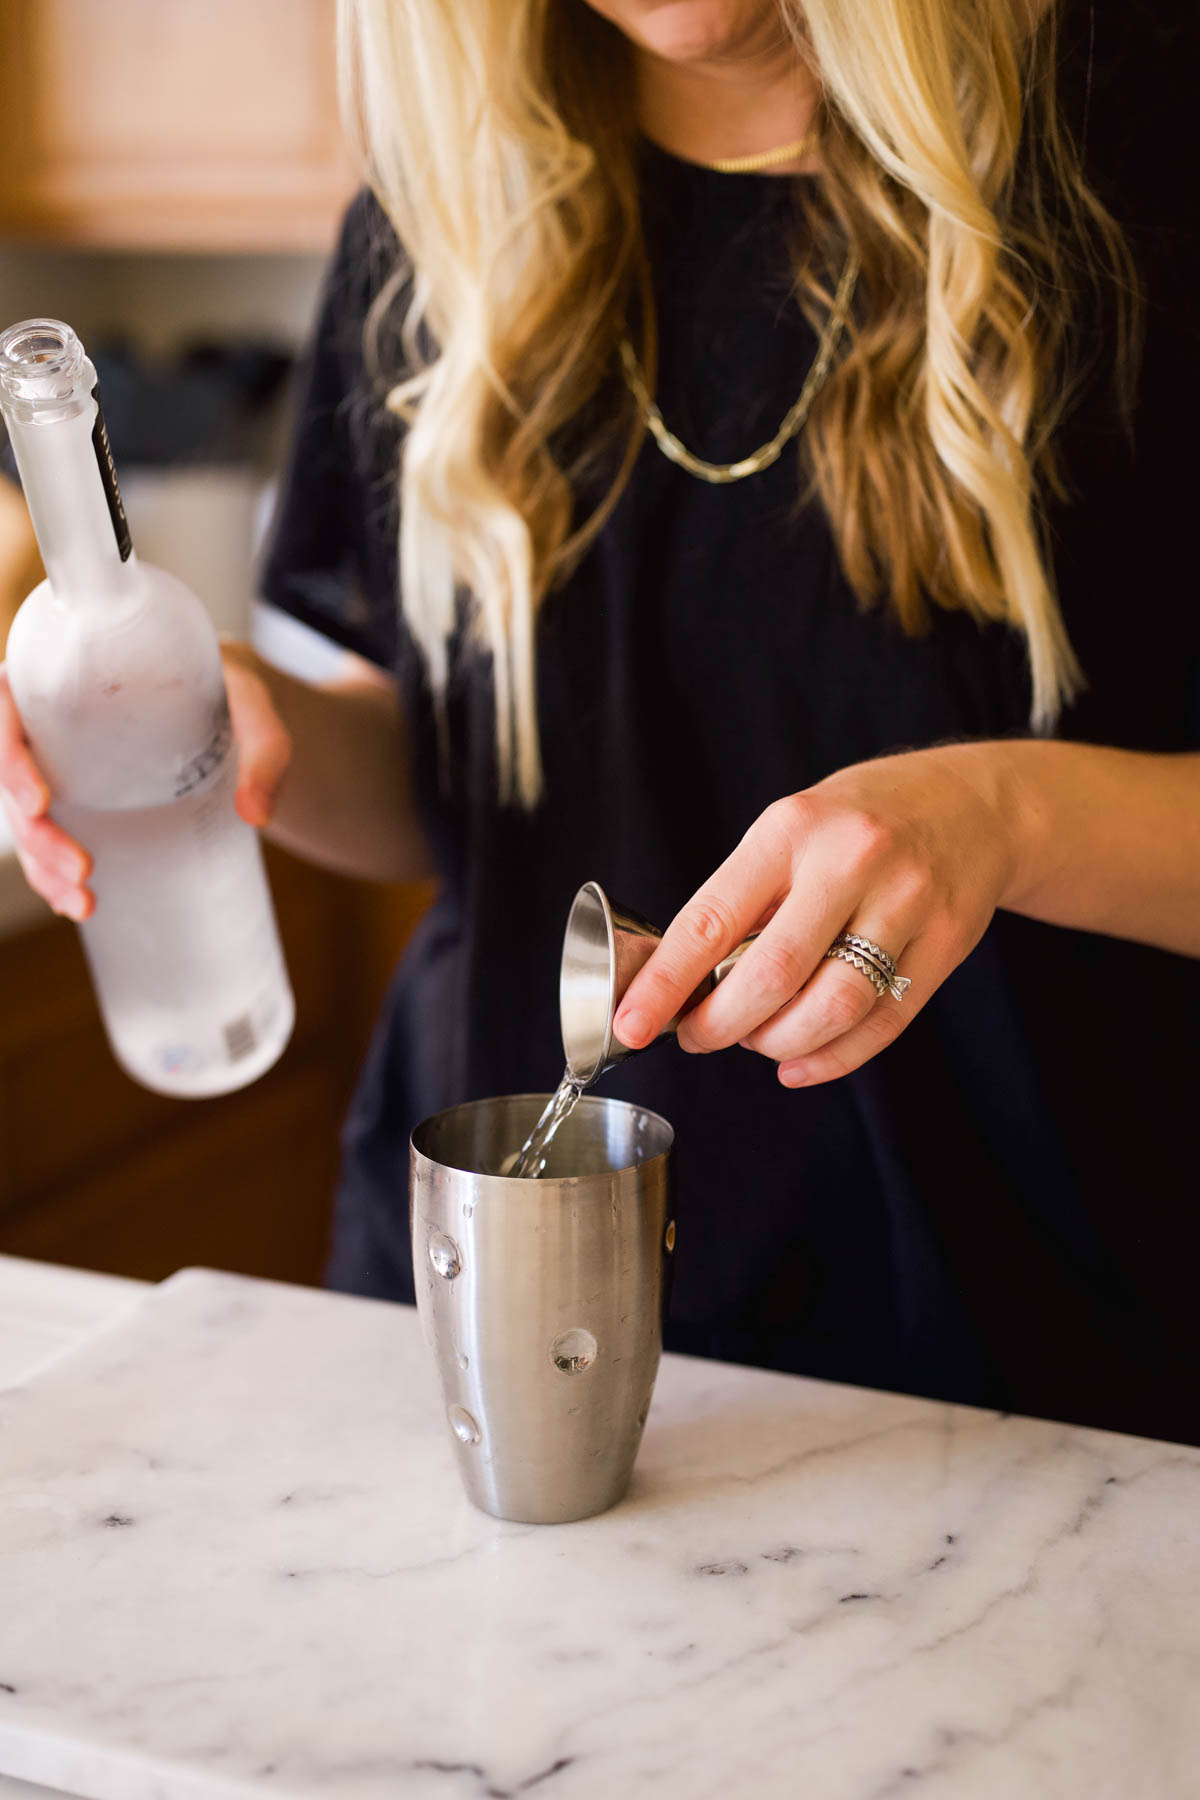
(766, 159)
(762, 458)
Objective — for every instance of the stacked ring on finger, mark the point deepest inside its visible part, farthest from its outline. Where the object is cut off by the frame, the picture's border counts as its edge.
(871, 960)
(876, 977)
(875, 952)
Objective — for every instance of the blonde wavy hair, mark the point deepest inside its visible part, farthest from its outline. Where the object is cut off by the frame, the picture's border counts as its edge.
(500, 139)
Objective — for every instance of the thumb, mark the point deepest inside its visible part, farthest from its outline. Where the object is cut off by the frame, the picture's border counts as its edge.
(263, 742)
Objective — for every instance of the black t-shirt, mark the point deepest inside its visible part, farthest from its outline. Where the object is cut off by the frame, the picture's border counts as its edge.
(1002, 1208)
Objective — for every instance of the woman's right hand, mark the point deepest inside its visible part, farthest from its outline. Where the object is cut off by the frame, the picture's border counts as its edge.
(58, 868)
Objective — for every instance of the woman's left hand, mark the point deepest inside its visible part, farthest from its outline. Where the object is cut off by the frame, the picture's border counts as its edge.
(913, 852)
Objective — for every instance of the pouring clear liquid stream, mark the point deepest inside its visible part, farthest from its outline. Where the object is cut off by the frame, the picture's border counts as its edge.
(532, 1156)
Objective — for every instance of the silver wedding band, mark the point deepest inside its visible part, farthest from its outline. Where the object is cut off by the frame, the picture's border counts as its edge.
(871, 960)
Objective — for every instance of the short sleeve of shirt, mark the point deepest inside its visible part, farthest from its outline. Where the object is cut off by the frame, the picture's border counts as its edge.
(331, 558)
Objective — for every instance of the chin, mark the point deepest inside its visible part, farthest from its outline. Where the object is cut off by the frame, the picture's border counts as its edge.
(692, 30)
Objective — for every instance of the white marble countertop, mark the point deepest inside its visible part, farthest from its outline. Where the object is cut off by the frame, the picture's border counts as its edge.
(235, 1562)
(46, 1309)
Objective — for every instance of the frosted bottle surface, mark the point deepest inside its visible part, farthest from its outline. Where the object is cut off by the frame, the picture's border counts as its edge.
(116, 672)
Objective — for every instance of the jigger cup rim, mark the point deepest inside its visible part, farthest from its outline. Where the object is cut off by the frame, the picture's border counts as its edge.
(585, 960)
(605, 945)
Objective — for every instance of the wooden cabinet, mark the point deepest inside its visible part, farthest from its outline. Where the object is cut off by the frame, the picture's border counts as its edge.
(96, 1171)
(171, 124)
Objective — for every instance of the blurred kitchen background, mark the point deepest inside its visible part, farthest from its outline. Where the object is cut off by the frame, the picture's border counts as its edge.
(172, 173)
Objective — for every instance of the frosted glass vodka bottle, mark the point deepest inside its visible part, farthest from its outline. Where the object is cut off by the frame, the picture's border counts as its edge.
(116, 673)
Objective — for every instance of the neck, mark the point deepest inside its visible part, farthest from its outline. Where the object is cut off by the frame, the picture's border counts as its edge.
(733, 107)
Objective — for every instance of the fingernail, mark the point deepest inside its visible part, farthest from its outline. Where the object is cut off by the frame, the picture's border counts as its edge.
(30, 799)
(69, 866)
(630, 1027)
(75, 906)
(795, 1076)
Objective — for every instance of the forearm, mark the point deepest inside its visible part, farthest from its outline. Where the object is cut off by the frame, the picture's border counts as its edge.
(1104, 840)
(345, 800)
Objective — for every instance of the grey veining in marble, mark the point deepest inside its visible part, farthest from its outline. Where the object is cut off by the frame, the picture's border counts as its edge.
(234, 1561)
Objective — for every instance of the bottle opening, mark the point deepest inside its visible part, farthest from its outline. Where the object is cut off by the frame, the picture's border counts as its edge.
(40, 359)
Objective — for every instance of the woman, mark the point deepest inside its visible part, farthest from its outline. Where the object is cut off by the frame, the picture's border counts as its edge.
(822, 675)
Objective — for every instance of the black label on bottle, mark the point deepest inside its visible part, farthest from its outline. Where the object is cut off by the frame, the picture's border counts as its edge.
(108, 476)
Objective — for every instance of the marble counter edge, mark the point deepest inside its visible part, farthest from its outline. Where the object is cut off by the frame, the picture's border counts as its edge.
(47, 1309)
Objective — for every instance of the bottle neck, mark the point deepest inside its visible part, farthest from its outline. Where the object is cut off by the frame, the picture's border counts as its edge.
(67, 473)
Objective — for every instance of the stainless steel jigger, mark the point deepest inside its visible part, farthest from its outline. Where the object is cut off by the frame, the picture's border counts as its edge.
(603, 948)
(542, 1301)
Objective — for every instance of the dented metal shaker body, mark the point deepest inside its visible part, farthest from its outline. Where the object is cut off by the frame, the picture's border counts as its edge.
(542, 1301)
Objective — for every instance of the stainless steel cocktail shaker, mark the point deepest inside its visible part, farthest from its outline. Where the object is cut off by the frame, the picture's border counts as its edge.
(542, 1300)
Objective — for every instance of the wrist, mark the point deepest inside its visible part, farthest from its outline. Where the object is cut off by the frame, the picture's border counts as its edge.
(1003, 775)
